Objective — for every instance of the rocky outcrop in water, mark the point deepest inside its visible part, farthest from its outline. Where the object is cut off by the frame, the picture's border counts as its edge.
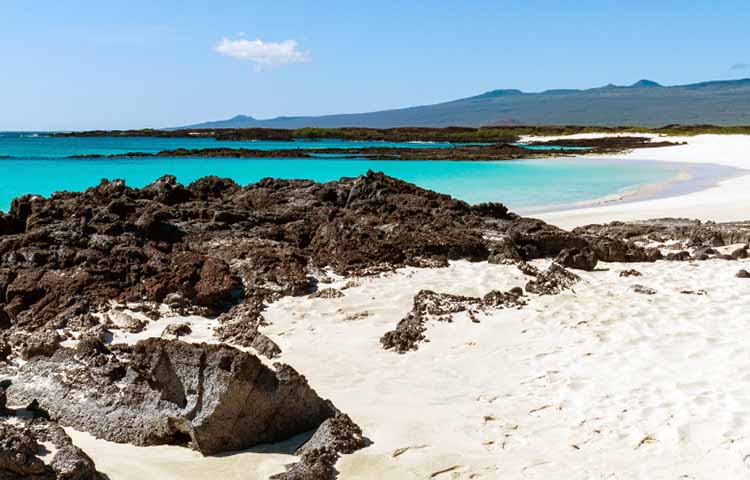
(613, 143)
(213, 246)
(218, 249)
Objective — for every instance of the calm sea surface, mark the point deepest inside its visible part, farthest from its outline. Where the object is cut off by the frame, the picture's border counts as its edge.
(31, 163)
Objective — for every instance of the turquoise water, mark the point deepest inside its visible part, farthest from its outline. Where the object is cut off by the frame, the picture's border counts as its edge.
(36, 167)
(43, 146)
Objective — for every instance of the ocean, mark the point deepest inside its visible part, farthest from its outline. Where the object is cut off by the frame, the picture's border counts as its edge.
(35, 163)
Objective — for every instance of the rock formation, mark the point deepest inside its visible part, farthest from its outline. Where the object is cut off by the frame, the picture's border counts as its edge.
(552, 281)
(213, 397)
(215, 248)
(429, 305)
(21, 452)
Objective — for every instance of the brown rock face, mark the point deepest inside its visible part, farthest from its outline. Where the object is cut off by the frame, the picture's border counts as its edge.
(428, 305)
(552, 281)
(579, 259)
(18, 453)
(213, 245)
(213, 397)
(337, 435)
(21, 452)
(694, 232)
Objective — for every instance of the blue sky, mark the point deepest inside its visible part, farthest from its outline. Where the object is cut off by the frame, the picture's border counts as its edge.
(94, 64)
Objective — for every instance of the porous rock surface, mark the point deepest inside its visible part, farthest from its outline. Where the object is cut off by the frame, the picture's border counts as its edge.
(552, 281)
(22, 447)
(214, 245)
(215, 248)
(429, 305)
(213, 397)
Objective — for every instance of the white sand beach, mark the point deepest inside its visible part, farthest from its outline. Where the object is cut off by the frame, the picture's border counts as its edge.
(601, 382)
(724, 202)
(591, 384)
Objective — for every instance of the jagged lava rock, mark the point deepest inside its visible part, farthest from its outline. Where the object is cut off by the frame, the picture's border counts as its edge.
(212, 245)
(552, 281)
(21, 452)
(160, 391)
(577, 258)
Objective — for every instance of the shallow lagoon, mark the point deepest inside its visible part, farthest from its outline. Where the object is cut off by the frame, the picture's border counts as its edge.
(518, 184)
(37, 164)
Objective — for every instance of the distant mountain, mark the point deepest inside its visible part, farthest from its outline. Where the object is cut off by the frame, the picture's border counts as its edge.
(645, 103)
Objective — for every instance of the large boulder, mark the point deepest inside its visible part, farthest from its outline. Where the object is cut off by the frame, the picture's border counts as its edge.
(213, 397)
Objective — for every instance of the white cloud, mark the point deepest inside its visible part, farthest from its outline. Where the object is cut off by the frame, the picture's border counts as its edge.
(264, 54)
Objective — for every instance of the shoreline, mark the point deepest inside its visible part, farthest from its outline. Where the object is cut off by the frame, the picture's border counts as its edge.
(455, 368)
(688, 178)
(720, 200)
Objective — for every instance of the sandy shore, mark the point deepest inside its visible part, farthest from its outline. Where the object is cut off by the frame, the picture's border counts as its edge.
(601, 382)
(726, 201)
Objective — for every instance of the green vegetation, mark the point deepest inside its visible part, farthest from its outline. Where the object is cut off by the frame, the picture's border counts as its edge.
(494, 134)
(489, 134)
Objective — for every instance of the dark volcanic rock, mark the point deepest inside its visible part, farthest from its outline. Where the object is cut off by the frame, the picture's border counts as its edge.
(509, 299)
(743, 274)
(213, 397)
(705, 251)
(680, 256)
(327, 293)
(5, 351)
(693, 232)
(503, 252)
(21, 452)
(527, 269)
(579, 259)
(552, 281)
(318, 464)
(177, 330)
(212, 246)
(240, 326)
(18, 453)
(631, 273)
(39, 343)
(337, 434)
(643, 290)
(428, 305)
